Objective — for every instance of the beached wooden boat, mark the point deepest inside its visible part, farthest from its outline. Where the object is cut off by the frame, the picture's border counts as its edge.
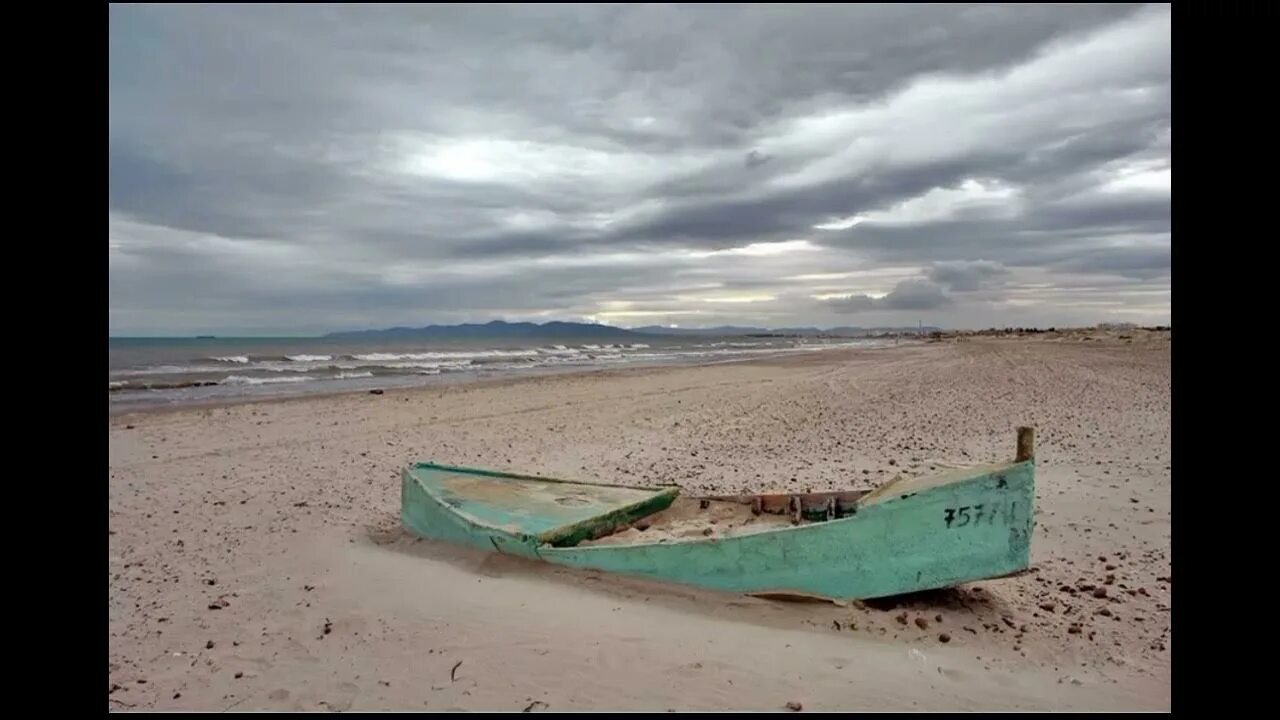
(908, 535)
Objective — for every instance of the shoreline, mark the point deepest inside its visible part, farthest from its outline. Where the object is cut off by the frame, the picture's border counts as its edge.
(435, 382)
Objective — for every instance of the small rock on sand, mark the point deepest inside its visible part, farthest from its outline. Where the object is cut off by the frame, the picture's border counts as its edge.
(795, 706)
(944, 637)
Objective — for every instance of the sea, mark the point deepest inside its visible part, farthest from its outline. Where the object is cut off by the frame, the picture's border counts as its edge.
(190, 371)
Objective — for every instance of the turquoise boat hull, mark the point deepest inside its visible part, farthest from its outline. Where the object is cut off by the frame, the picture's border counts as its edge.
(910, 535)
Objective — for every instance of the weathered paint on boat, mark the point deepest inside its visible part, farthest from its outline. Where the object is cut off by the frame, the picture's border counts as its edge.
(910, 535)
(975, 528)
(517, 513)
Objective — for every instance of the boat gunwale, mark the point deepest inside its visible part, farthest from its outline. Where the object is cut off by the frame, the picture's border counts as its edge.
(662, 496)
(547, 538)
(428, 465)
(987, 470)
(947, 477)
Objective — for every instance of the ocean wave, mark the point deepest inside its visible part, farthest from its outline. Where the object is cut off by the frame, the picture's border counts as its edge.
(438, 365)
(380, 357)
(245, 380)
(241, 374)
(281, 367)
(168, 370)
(517, 361)
(558, 350)
(454, 355)
(164, 385)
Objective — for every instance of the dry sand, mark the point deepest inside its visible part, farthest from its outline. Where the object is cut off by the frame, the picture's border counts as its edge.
(256, 560)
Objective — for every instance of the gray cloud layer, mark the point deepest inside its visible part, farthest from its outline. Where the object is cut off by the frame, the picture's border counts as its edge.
(298, 169)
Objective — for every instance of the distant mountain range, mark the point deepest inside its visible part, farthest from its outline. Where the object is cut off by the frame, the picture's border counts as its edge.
(736, 331)
(496, 329)
(499, 329)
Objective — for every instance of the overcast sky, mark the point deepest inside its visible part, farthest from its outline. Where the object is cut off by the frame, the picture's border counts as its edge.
(294, 169)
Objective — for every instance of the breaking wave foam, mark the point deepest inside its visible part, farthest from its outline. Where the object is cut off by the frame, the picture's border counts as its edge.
(245, 380)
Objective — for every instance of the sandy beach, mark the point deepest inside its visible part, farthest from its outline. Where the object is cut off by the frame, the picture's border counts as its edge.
(257, 563)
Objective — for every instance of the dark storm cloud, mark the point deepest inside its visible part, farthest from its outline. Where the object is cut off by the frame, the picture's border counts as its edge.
(1048, 235)
(916, 295)
(1135, 262)
(966, 276)
(405, 159)
(913, 294)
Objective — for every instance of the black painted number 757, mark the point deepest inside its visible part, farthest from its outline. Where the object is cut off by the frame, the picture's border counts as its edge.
(959, 517)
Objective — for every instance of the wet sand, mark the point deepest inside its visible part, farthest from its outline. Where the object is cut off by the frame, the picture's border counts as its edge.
(256, 560)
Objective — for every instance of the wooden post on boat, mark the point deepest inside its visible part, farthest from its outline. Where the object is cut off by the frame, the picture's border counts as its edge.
(1026, 444)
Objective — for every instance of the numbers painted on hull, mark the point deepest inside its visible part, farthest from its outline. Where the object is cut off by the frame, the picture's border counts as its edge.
(973, 515)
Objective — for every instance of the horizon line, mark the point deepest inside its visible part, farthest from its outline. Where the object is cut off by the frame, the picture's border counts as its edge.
(271, 336)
